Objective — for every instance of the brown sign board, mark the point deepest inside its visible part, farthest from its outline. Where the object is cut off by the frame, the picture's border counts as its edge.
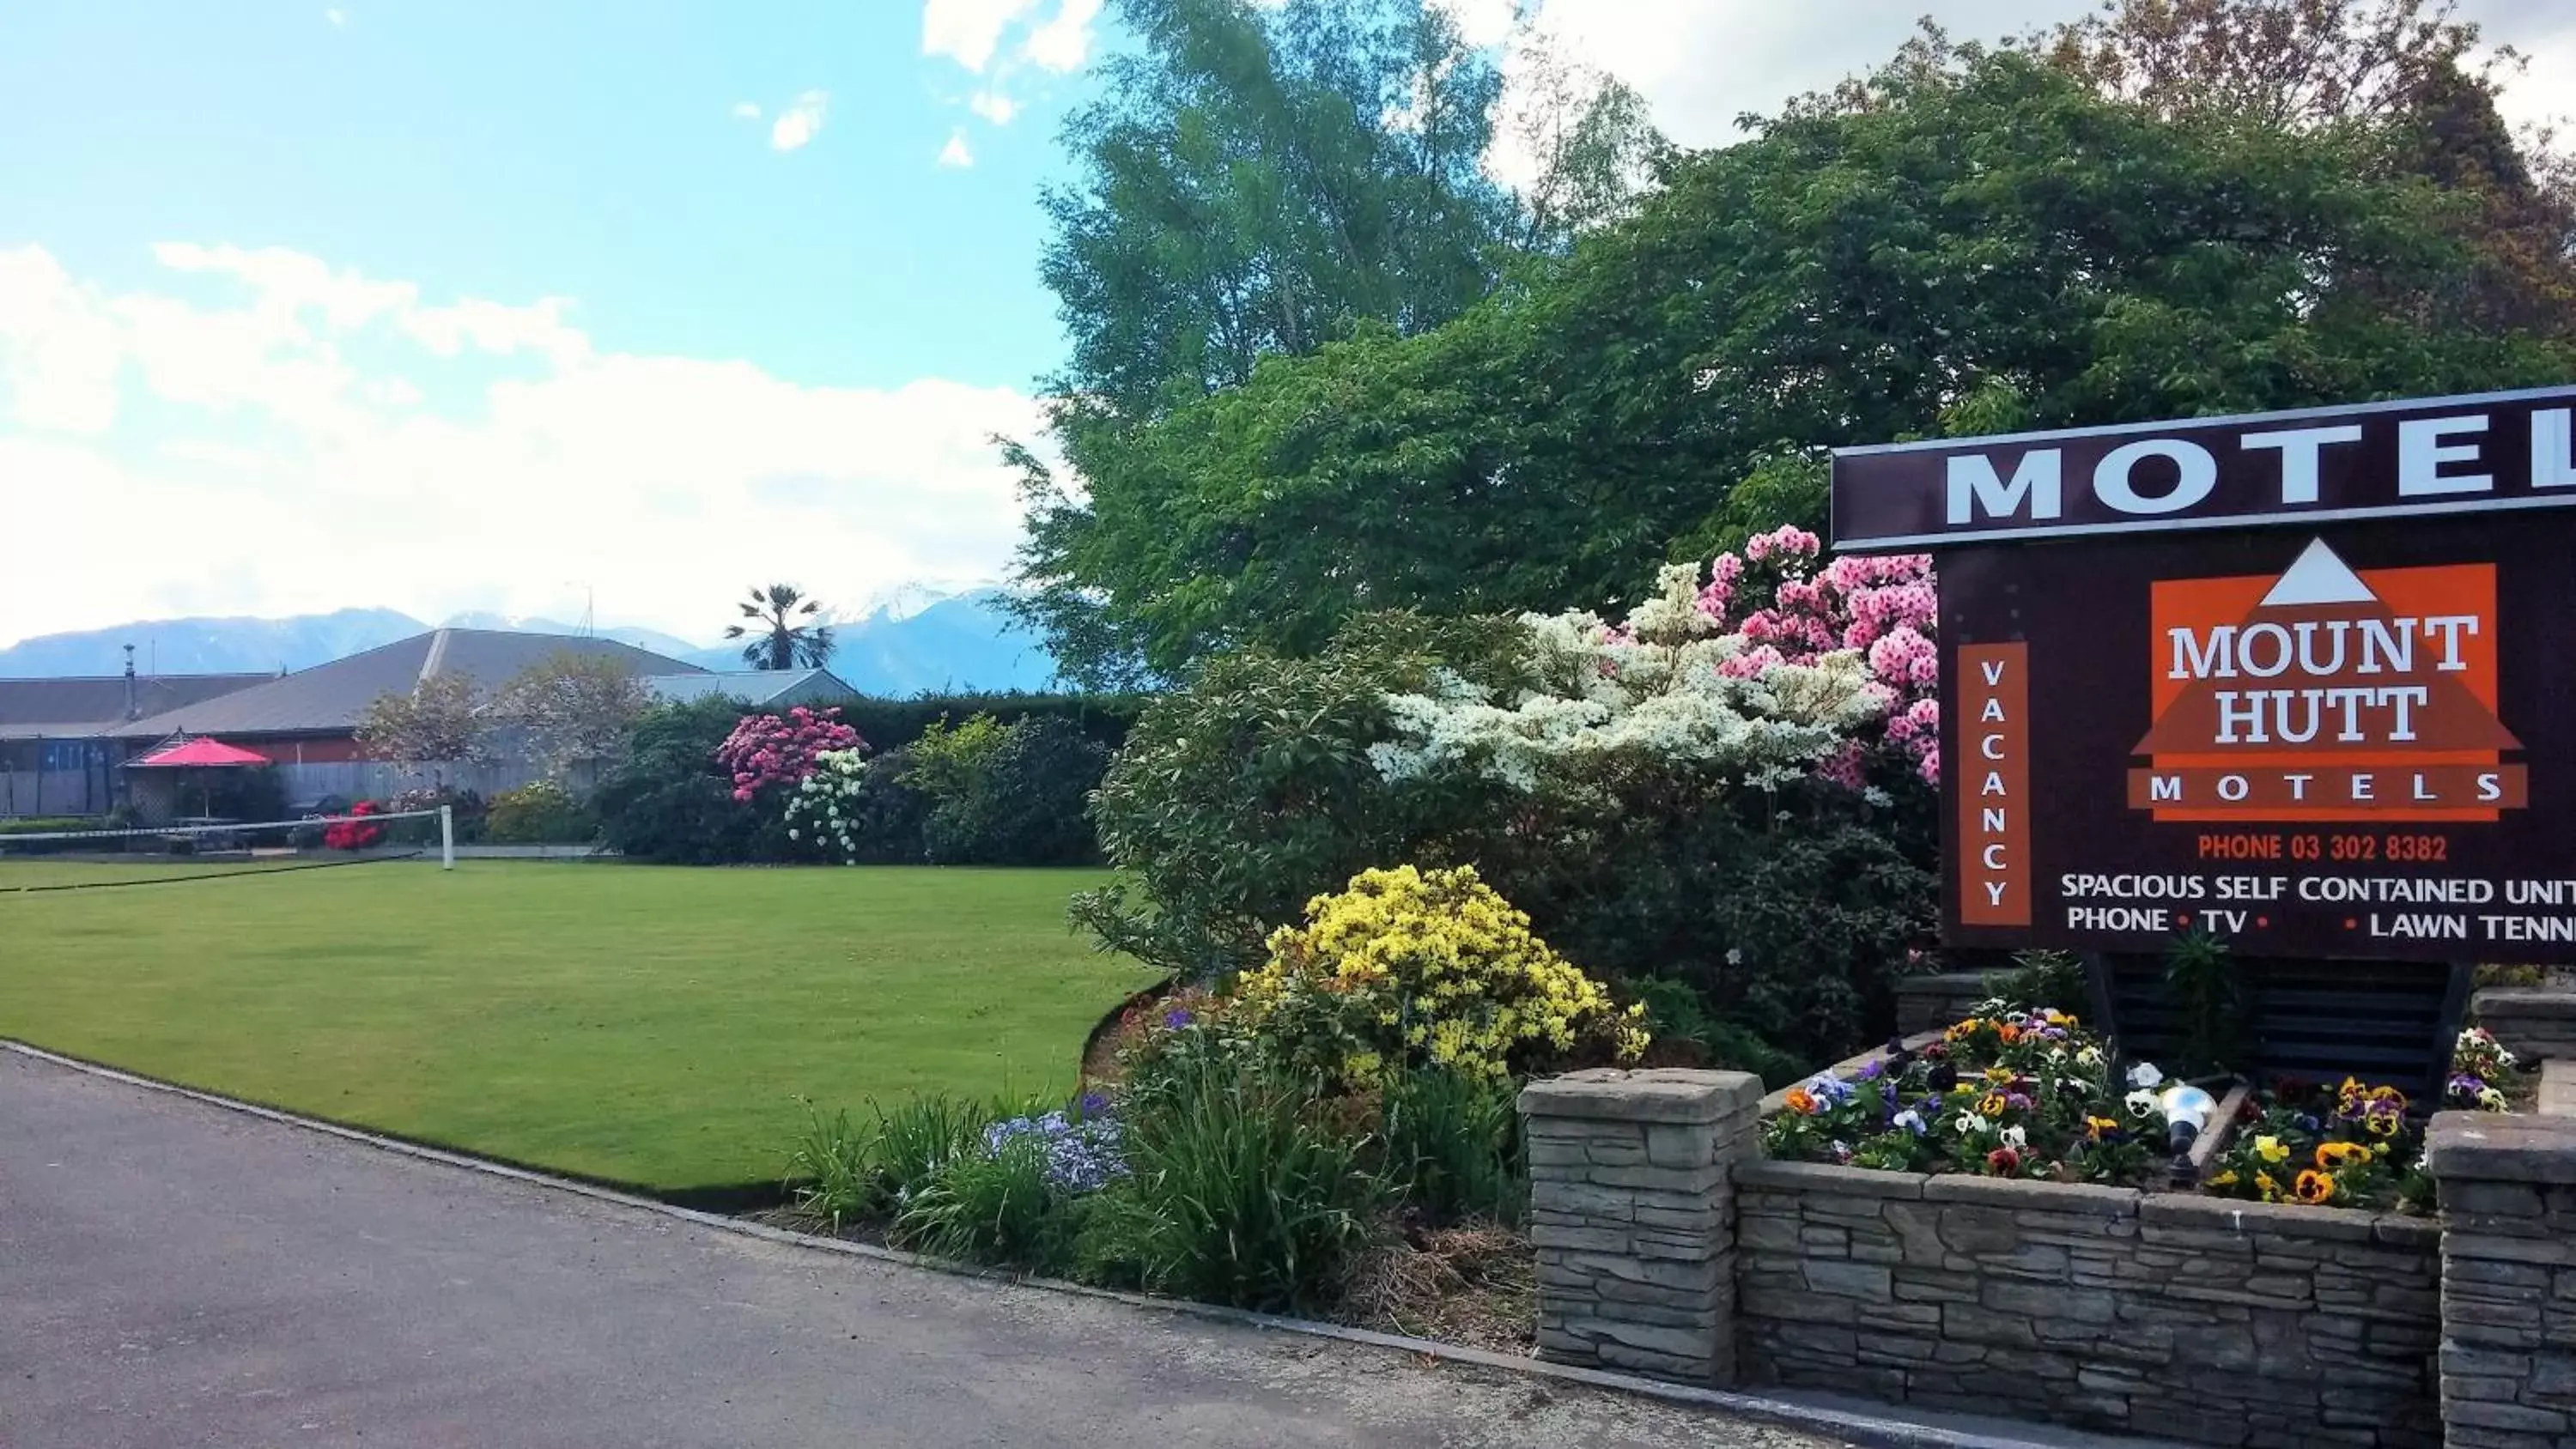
(2338, 726)
(2499, 452)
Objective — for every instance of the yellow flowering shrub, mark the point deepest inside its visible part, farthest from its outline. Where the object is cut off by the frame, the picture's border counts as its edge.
(1408, 966)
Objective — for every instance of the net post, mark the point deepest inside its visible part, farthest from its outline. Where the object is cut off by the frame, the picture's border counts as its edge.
(447, 837)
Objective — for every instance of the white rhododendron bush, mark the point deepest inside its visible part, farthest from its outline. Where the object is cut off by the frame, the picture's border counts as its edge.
(1769, 669)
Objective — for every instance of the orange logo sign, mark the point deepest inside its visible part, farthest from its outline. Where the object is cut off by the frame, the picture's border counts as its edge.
(2326, 694)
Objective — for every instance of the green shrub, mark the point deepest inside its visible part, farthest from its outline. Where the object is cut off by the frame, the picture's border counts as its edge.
(1676, 1012)
(842, 1172)
(1026, 806)
(948, 767)
(994, 1208)
(2044, 979)
(467, 814)
(923, 1135)
(889, 724)
(982, 793)
(2209, 996)
(833, 1172)
(1240, 798)
(665, 799)
(47, 825)
(543, 813)
(889, 814)
(1450, 1146)
(1245, 1190)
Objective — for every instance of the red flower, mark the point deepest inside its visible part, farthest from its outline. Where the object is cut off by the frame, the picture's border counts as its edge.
(2003, 1162)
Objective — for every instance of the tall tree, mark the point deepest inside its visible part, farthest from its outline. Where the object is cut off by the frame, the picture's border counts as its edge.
(575, 707)
(2408, 73)
(437, 723)
(1266, 179)
(1973, 240)
(2279, 63)
(787, 630)
(1258, 180)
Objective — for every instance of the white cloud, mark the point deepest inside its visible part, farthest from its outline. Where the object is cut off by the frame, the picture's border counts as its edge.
(1702, 63)
(336, 15)
(1064, 42)
(2539, 95)
(60, 369)
(956, 152)
(746, 111)
(302, 411)
(1480, 22)
(969, 31)
(994, 107)
(800, 122)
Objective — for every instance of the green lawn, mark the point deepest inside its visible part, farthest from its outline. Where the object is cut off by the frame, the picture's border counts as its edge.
(638, 1024)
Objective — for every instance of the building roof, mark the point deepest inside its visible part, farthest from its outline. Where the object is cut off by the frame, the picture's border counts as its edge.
(330, 698)
(773, 688)
(88, 705)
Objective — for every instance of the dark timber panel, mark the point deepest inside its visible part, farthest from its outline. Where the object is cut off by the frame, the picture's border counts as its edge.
(2381, 1021)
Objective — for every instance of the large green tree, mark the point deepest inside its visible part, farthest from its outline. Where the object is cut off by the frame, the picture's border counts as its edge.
(2409, 73)
(1258, 180)
(1269, 179)
(1971, 239)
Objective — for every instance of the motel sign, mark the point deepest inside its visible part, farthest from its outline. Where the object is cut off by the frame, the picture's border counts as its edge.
(2300, 679)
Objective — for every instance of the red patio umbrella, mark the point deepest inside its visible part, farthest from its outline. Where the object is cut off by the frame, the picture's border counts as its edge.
(202, 753)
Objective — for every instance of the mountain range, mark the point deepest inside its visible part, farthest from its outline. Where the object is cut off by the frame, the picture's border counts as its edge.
(913, 639)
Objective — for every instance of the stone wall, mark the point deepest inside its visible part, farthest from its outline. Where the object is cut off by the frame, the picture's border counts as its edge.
(2168, 1315)
(2508, 1359)
(1632, 1214)
(1930, 1003)
(2534, 1023)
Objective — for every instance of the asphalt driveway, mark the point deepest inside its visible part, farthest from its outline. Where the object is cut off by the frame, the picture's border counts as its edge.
(172, 1273)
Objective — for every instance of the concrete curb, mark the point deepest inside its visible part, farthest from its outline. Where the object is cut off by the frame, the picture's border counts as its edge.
(1854, 1425)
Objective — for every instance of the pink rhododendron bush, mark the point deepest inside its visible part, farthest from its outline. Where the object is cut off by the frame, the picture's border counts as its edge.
(767, 750)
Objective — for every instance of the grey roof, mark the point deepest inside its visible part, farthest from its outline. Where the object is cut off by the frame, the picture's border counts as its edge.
(88, 705)
(771, 687)
(329, 698)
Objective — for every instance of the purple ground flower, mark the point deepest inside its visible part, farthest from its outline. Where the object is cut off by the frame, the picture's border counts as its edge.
(1081, 1155)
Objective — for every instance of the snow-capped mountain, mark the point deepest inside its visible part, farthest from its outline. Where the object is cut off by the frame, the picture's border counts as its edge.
(910, 598)
(653, 639)
(910, 639)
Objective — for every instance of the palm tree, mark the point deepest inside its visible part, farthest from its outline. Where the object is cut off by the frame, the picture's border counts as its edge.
(778, 640)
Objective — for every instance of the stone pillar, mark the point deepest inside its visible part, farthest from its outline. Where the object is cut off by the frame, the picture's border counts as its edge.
(2508, 1194)
(2534, 1023)
(1633, 1215)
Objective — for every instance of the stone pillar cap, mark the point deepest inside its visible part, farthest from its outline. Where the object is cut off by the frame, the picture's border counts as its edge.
(1655, 1094)
(2524, 1002)
(2501, 1147)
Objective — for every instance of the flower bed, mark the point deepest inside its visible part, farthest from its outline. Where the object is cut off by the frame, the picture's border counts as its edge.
(2003, 1093)
(2030, 1094)
(1335, 1136)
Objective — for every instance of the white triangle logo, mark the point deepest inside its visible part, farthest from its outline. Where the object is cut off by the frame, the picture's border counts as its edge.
(2319, 578)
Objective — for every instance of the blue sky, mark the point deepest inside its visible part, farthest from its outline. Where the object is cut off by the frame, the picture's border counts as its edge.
(505, 149)
(503, 304)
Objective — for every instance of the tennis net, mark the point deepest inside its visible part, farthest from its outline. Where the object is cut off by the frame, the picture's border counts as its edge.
(57, 860)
